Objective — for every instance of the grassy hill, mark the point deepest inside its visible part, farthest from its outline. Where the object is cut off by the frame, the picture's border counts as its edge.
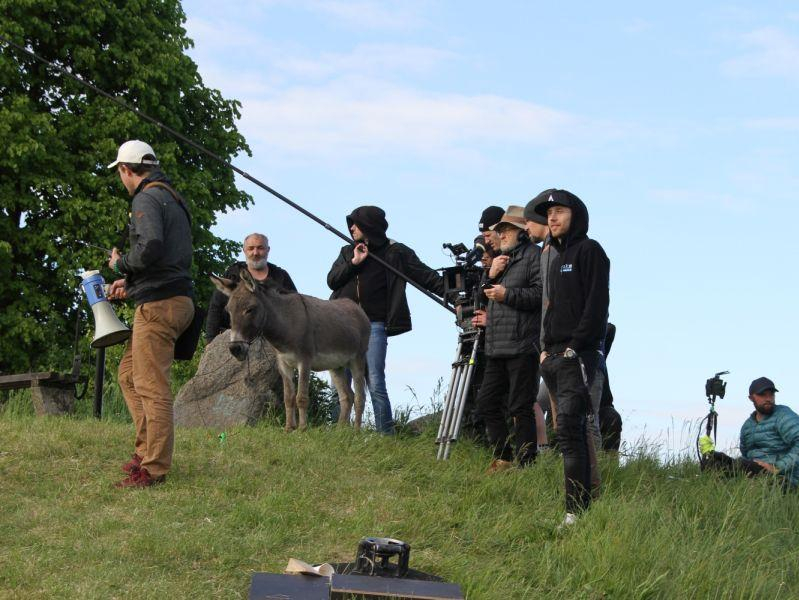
(248, 503)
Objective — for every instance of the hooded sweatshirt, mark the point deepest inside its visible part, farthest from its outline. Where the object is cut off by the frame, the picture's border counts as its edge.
(577, 285)
(377, 290)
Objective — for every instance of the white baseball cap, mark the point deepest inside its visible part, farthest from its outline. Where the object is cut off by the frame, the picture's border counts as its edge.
(133, 152)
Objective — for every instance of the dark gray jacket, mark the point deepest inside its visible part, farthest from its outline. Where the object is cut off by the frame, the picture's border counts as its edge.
(158, 264)
(513, 326)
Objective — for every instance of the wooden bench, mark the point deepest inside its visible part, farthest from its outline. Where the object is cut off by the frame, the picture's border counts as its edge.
(52, 393)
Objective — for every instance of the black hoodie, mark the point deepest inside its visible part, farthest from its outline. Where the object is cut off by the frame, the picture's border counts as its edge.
(577, 284)
(377, 290)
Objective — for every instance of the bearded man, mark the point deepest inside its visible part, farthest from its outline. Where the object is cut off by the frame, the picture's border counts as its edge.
(256, 252)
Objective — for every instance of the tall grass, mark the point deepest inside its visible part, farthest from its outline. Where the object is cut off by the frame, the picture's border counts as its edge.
(260, 496)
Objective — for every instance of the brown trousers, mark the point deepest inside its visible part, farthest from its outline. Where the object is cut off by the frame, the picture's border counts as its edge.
(144, 378)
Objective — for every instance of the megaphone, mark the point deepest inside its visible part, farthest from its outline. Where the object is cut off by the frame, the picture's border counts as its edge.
(108, 329)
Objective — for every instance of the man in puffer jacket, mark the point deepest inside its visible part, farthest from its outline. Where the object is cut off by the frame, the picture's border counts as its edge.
(769, 439)
(513, 319)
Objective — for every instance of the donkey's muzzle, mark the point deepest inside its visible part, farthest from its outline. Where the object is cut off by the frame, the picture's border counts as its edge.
(238, 349)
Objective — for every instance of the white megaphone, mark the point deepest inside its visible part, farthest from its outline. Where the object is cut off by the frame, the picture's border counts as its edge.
(108, 329)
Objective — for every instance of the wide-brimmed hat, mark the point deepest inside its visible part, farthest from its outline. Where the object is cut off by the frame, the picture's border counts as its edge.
(514, 215)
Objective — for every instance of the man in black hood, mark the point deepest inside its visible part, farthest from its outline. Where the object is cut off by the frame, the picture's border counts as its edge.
(380, 293)
(573, 330)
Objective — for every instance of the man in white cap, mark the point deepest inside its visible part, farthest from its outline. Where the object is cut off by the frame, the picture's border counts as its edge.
(156, 275)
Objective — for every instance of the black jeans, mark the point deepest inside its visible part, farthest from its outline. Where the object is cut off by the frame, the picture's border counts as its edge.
(732, 466)
(569, 380)
(510, 383)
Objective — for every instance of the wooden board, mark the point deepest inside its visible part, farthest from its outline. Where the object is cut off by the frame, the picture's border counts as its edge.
(24, 380)
(390, 587)
(272, 586)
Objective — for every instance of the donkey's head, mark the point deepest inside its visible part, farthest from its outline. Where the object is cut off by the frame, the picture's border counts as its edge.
(247, 312)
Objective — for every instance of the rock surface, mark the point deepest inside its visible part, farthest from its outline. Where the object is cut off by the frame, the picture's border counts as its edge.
(226, 392)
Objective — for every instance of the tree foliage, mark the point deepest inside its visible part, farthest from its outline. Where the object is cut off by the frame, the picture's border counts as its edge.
(56, 193)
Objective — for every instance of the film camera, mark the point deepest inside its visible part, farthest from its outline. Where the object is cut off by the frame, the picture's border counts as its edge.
(715, 387)
(462, 282)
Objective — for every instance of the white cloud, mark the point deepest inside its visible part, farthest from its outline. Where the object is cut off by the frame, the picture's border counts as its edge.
(368, 13)
(367, 58)
(773, 52)
(305, 106)
(366, 117)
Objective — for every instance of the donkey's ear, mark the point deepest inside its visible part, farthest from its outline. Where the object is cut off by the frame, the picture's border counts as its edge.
(226, 286)
(247, 279)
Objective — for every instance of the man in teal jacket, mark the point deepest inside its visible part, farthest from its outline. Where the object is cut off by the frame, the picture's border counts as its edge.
(769, 439)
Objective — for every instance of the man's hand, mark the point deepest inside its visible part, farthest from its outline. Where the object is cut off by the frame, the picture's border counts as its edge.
(543, 357)
(498, 265)
(116, 290)
(360, 253)
(768, 467)
(496, 293)
(479, 319)
(115, 256)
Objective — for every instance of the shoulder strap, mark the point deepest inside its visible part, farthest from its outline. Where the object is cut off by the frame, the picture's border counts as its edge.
(172, 193)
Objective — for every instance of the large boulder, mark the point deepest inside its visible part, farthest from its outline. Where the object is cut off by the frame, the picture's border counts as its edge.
(226, 392)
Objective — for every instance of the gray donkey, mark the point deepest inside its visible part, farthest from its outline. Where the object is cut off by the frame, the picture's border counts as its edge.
(308, 334)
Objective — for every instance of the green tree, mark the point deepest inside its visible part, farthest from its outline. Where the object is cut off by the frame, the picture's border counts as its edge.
(56, 193)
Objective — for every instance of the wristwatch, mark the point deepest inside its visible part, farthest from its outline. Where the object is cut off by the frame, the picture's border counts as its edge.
(569, 353)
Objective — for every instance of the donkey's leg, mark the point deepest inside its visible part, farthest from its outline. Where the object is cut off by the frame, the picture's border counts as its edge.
(339, 377)
(358, 369)
(287, 373)
(303, 381)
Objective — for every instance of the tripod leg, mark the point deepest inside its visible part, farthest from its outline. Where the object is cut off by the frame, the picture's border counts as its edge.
(452, 409)
(447, 401)
(461, 400)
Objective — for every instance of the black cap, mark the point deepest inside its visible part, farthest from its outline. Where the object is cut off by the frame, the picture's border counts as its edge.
(490, 217)
(553, 197)
(530, 213)
(760, 385)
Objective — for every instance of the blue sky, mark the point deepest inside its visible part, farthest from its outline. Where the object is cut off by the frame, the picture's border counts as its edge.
(676, 124)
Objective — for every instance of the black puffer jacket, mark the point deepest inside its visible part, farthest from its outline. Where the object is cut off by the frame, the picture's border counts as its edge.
(218, 319)
(158, 265)
(346, 280)
(578, 280)
(513, 325)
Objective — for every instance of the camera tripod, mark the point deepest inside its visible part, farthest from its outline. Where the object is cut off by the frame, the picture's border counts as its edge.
(459, 383)
(715, 388)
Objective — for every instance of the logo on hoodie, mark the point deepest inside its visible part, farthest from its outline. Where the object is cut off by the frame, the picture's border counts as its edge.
(566, 268)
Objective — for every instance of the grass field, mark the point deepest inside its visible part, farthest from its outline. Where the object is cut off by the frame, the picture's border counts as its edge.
(261, 496)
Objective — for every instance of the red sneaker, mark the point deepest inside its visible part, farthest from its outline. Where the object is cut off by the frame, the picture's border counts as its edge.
(139, 478)
(132, 465)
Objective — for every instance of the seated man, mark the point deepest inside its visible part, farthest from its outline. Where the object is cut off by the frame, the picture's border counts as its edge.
(256, 251)
(769, 439)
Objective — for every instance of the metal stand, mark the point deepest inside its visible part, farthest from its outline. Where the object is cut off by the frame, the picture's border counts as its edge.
(99, 377)
(459, 382)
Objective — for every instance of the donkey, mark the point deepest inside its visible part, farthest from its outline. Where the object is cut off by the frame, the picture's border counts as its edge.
(308, 334)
